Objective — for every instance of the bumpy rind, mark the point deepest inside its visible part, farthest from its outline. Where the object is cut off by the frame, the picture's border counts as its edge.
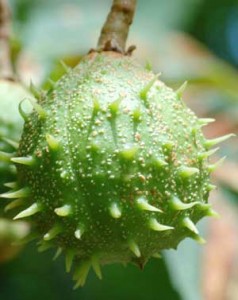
(113, 166)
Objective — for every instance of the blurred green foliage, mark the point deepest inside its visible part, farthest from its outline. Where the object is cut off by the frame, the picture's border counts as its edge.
(35, 276)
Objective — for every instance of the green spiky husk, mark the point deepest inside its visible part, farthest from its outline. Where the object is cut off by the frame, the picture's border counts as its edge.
(108, 136)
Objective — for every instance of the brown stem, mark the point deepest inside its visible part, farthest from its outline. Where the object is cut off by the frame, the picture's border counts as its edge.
(115, 30)
(6, 69)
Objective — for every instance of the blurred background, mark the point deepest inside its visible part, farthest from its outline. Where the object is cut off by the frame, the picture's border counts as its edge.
(194, 40)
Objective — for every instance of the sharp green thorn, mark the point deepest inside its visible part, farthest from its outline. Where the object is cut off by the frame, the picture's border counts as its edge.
(34, 90)
(212, 213)
(129, 153)
(23, 114)
(78, 233)
(212, 142)
(209, 212)
(194, 131)
(28, 161)
(65, 67)
(12, 143)
(211, 187)
(6, 157)
(181, 89)
(168, 146)
(188, 223)
(52, 142)
(134, 248)
(63, 211)
(52, 233)
(115, 211)
(44, 246)
(143, 204)
(81, 274)
(136, 114)
(14, 204)
(69, 257)
(205, 121)
(157, 255)
(199, 239)
(213, 167)
(11, 185)
(57, 253)
(96, 267)
(30, 211)
(176, 204)
(187, 172)
(155, 225)
(38, 108)
(96, 106)
(94, 147)
(159, 163)
(206, 154)
(22, 193)
(204, 206)
(144, 92)
(51, 82)
(114, 106)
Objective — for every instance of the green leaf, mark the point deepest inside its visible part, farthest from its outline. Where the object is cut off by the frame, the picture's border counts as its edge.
(184, 266)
